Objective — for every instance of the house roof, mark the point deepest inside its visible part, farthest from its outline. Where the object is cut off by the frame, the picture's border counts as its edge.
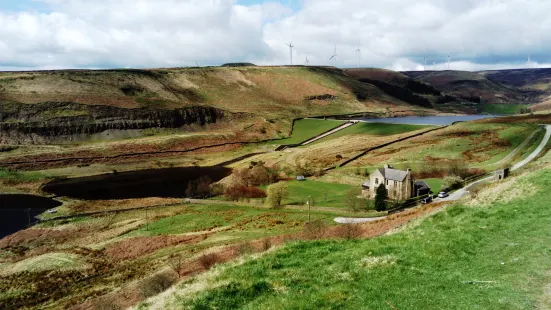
(393, 174)
(422, 185)
(366, 184)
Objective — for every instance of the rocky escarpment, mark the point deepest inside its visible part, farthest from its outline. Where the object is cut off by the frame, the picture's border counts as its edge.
(66, 121)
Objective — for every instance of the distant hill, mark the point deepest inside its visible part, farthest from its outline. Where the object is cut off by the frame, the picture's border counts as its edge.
(401, 86)
(474, 86)
(46, 106)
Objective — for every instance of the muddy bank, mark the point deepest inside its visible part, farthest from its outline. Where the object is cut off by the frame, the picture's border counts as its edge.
(168, 183)
(16, 211)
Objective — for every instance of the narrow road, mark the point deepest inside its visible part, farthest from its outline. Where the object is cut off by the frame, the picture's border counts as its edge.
(464, 191)
(517, 149)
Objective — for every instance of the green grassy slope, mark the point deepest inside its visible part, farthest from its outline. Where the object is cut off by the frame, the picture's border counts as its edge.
(500, 109)
(465, 257)
(375, 129)
(307, 128)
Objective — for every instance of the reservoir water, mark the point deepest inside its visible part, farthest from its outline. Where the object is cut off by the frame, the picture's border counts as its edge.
(16, 211)
(168, 183)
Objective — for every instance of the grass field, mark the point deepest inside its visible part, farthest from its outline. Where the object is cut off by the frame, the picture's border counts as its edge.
(435, 184)
(307, 128)
(374, 129)
(318, 191)
(465, 257)
(238, 221)
(477, 144)
(501, 109)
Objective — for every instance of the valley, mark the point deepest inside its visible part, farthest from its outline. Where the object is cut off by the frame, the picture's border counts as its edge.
(162, 182)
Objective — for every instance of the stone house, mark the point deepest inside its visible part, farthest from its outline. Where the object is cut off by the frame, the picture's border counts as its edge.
(398, 183)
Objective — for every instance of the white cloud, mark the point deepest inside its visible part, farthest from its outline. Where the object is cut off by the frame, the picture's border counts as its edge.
(393, 33)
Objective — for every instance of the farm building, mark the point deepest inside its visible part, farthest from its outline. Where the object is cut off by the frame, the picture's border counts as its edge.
(399, 183)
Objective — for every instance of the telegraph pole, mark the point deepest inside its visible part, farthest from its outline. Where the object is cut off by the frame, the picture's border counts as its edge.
(309, 209)
(29, 216)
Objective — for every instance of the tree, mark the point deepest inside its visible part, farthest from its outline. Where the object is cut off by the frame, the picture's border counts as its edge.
(176, 262)
(203, 186)
(276, 193)
(351, 199)
(380, 198)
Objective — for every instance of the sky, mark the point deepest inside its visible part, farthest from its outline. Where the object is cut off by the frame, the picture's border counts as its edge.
(392, 34)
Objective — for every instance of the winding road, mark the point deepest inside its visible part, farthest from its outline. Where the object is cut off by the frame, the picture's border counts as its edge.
(464, 191)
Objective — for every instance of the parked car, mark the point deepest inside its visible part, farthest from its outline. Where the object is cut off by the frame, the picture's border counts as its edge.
(443, 195)
(51, 211)
(426, 200)
(301, 178)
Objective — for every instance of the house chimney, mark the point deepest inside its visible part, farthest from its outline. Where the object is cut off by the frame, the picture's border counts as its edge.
(387, 166)
(409, 170)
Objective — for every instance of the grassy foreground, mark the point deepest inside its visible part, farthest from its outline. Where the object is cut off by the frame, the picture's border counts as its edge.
(490, 254)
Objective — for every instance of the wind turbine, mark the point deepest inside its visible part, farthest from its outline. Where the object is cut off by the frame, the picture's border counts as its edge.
(359, 51)
(307, 61)
(529, 62)
(434, 65)
(448, 62)
(290, 45)
(334, 56)
(425, 65)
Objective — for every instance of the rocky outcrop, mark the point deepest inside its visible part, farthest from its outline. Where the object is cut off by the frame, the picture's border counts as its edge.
(45, 121)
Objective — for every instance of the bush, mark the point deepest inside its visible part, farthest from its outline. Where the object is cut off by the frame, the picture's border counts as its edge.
(256, 174)
(314, 230)
(209, 260)
(380, 198)
(156, 284)
(276, 193)
(266, 244)
(453, 182)
(349, 231)
(238, 192)
(217, 189)
(351, 199)
(199, 188)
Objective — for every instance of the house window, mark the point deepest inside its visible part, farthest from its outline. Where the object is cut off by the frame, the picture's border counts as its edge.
(395, 183)
(376, 181)
(387, 182)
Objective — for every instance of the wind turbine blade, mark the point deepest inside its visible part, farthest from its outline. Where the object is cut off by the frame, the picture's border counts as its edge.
(332, 57)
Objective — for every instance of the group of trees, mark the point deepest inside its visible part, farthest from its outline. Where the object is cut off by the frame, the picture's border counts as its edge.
(244, 181)
(199, 188)
(240, 192)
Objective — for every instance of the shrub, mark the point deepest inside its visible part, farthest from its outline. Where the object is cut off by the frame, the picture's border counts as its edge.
(238, 192)
(266, 244)
(209, 260)
(276, 193)
(349, 231)
(106, 303)
(380, 198)
(314, 230)
(156, 284)
(351, 199)
(176, 262)
(245, 248)
(453, 182)
(199, 188)
(255, 175)
(217, 189)
(458, 168)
